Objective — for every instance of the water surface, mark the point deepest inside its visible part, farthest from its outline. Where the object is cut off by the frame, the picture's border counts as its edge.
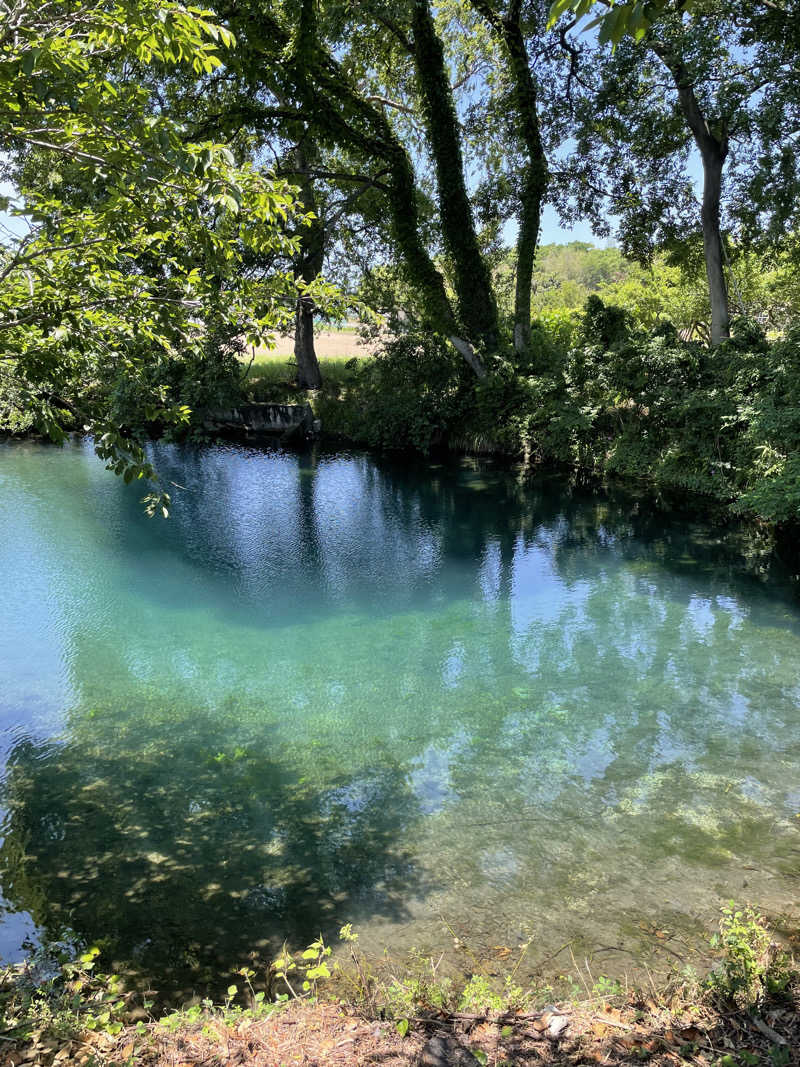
(428, 701)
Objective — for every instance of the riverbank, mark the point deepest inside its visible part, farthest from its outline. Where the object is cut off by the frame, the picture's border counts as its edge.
(745, 1013)
(656, 412)
(326, 1034)
(604, 399)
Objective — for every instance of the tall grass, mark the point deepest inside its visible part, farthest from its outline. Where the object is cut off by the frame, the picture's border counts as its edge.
(272, 378)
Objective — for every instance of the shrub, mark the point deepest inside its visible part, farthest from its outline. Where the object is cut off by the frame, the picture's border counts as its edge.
(752, 966)
(409, 393)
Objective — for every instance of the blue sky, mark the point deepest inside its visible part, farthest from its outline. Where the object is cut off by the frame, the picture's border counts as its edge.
(554, 233)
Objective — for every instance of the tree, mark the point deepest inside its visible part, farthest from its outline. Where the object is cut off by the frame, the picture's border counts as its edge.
(124, 265)
(395, 94)
(637, 128)
(507, 25)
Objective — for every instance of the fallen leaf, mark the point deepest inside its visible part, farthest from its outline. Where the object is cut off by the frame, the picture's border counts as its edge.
(691, 1033)
(612, 1013)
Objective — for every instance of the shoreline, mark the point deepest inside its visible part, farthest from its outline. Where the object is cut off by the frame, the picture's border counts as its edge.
(744, 1013)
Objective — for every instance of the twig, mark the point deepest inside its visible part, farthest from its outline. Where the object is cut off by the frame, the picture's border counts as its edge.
(578, 972)
(611, 1022)
(505, 1016)
(552, 955)
(462, 944)
(767, 1031)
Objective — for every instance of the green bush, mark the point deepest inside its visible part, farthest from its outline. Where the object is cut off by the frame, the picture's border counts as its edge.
(752, 968)
(604, 396)
(409, 395)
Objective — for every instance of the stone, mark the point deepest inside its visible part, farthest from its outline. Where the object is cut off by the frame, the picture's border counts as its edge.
(444, 1050)
(270, 420)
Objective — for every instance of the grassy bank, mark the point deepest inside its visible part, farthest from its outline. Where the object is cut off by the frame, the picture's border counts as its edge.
(271, 378)
(306, 1009)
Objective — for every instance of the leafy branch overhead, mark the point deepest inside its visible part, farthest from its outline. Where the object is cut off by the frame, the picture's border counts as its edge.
(618, 18)
(125, 243)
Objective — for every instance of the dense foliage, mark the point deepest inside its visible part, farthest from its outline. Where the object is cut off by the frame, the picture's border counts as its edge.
(180, 181)
(603, 395)
(123, 287)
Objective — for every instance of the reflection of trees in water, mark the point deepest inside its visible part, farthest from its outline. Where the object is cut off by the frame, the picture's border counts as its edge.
(184, 853)
(589, 692)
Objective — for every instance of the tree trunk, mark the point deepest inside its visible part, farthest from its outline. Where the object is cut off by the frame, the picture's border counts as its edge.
(472, 279)
(534, 178)
(345, 118)
(534, 184)
(712, 246)
(308, 267)
(713, 152)
(309, 375)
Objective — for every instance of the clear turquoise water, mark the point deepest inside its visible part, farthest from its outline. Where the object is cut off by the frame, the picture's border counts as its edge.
(330, 689)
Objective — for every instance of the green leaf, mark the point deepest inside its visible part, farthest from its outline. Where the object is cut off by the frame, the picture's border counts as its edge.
(29, 60)
(557, 9)
(402, 1027)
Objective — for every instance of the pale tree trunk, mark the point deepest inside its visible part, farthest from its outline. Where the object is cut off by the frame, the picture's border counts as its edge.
(712, 246)
(713, 149)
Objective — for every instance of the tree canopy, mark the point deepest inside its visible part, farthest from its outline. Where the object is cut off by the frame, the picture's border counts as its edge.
(125, 241)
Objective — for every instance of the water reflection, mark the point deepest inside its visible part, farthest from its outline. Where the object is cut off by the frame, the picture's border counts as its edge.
(332, 689)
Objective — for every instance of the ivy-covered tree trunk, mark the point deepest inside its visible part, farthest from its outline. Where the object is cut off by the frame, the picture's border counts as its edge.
(712, 246)
(348, 119)
(534, 185)
(473, 283)
(534, 179)
(341, 117)
(307, 267)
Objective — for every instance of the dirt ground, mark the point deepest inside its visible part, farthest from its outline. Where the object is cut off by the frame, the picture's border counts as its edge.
(327, 1034)
(328, 344)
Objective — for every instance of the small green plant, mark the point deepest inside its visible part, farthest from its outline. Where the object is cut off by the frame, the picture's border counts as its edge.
(70, 1001)
(482, 996)
(232, 1010)
(606, 987)
(780, 1056)
(415, 994)
(307, 968)
(479, 997)
(752, 966)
